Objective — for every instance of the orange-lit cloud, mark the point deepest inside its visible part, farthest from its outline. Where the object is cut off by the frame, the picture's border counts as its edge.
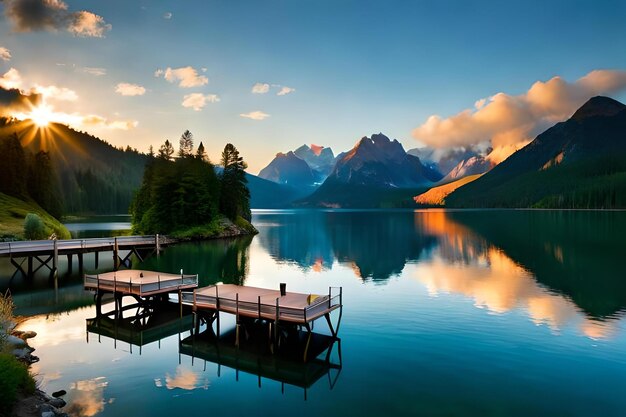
(128, 89)
(510, 121)
(99, 121)
(197, 101)
(87, 24)
(186, 77)
(255, 115)
(184, 378)
(86, 398)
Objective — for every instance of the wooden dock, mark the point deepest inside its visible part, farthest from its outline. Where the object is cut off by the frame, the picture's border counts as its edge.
(142, 285)
(252, 304)
(45, 253)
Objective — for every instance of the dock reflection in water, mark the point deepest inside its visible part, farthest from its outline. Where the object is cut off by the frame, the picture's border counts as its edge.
(142, 328)
(254, 356)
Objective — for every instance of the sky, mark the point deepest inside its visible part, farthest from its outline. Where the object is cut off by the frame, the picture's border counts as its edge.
(269, 76)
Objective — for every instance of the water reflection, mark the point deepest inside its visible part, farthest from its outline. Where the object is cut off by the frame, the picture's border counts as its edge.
(86, 397)
(376, 246)
(562, 268)
(254, 356)
(220, 260)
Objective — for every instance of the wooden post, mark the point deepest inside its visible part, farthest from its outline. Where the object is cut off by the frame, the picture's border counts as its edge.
(70, 263)
(96, 254)
(259, 307)
(157, 244)
(180, 302)
(116, 259)
(276, 322)
(237, 319)
(55, 258)
(80, 262)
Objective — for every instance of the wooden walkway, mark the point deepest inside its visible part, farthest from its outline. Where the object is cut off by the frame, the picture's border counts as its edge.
(252, 304)
(47, 252)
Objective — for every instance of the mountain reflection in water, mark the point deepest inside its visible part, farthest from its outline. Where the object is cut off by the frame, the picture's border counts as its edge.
(561, 267)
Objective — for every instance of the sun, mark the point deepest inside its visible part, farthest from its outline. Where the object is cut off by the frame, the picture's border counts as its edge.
(41, 115)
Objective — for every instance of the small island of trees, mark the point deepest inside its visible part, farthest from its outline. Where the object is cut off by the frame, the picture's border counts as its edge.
(187, 197)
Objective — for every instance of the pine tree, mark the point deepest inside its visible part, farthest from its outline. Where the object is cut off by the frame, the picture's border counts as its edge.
(201, 153)
(166, 151)
(186, 145)
(235, 196)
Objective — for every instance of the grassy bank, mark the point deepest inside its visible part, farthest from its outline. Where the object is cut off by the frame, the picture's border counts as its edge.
(15, 379)
(13, 212)
(219, 227)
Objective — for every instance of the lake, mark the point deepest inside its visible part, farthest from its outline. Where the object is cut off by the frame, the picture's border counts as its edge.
(472, 313)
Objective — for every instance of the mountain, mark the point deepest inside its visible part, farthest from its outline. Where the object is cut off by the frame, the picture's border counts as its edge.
(320, 159)
(436, 196)
(442, 160)
(579, 163)
(94, 176)
(374, 171)
(265, 194)
(287, 168)
(471, 166)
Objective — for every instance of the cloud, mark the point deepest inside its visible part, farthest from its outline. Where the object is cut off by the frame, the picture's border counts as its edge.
(183, 379)
(197, 101)
(97, 71)
(127, 89)
(260, 88)
(53, 15)
(255, 115)
(11, 79)
(167, 15)
(87, 24)
(186, 76)
(513, 120)
(284, 90)
(5, 54)
(99, 121)
(13, 100)
(56, 93)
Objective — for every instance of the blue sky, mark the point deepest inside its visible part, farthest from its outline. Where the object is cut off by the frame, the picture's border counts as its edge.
(357, 67)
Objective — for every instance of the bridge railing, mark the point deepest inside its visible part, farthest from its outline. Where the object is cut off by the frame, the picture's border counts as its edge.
(8, 248)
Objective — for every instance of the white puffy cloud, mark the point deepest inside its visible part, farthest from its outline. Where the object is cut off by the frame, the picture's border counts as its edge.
(260, 88)
(56, 93)
(11, 79)
(510, 121)
(5, 54)
(255, 115)
(284, 90)
(197, 101)
(185, 76)
(128, 89)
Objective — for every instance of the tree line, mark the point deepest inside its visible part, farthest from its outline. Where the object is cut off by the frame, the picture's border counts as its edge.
(181, 192)
(28, 176)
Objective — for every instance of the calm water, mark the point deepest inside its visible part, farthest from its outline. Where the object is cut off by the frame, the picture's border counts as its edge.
(472, 313)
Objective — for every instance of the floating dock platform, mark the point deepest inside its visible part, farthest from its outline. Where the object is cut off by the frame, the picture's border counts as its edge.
(142, 285)
(253, 304)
